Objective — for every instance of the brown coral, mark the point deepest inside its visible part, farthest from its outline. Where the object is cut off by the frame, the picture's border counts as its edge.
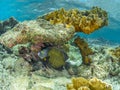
(84, 49)
(83, 21)
(81, 83)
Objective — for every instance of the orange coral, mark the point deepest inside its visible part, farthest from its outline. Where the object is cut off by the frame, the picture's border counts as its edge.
(83, 21)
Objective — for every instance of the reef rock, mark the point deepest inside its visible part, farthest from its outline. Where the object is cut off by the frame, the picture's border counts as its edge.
(7, 24)
(35, 31)
(84, 21)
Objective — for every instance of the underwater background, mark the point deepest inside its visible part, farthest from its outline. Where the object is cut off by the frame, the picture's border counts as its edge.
(30, 9)
(59, 45)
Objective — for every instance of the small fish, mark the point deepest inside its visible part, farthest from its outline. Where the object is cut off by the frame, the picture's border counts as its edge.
(43, 54)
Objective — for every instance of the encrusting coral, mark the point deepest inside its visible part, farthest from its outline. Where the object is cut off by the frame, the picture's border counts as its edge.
(81, 83)
(37, 32)
(84, 21)
(84, 49)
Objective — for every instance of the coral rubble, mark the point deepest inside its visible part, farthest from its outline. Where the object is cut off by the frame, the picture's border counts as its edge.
(84, 21)
(84, 49)
(81, 83)
(36, 31)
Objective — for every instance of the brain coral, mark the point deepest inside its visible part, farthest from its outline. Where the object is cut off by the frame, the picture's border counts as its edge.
(83, 21)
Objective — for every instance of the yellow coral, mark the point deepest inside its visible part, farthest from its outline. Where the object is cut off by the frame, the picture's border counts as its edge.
(96, 84)
(83, 88)
(78, 82)
(81, 83)
(83, 21)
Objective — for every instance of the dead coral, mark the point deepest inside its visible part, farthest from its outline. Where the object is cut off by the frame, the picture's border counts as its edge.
(81, 83)
(84, 21)
(84, 49)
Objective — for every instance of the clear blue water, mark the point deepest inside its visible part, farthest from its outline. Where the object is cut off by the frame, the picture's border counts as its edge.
(30, 9)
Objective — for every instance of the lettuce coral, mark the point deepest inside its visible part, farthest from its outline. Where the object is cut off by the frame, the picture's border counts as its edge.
(81, 83)
(84, 21)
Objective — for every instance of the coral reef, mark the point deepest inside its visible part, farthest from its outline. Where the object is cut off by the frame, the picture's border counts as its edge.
(115, 53)
(81, 83)
(36, 31)
(7, 24)
(84, 21)
(75, 58)
(50, 57)
(7, 59)
(84, 49)
(22, 67)
(102, 66)
(16, 73)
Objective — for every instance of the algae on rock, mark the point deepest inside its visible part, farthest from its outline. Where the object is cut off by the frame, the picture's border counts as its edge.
(37, 31)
